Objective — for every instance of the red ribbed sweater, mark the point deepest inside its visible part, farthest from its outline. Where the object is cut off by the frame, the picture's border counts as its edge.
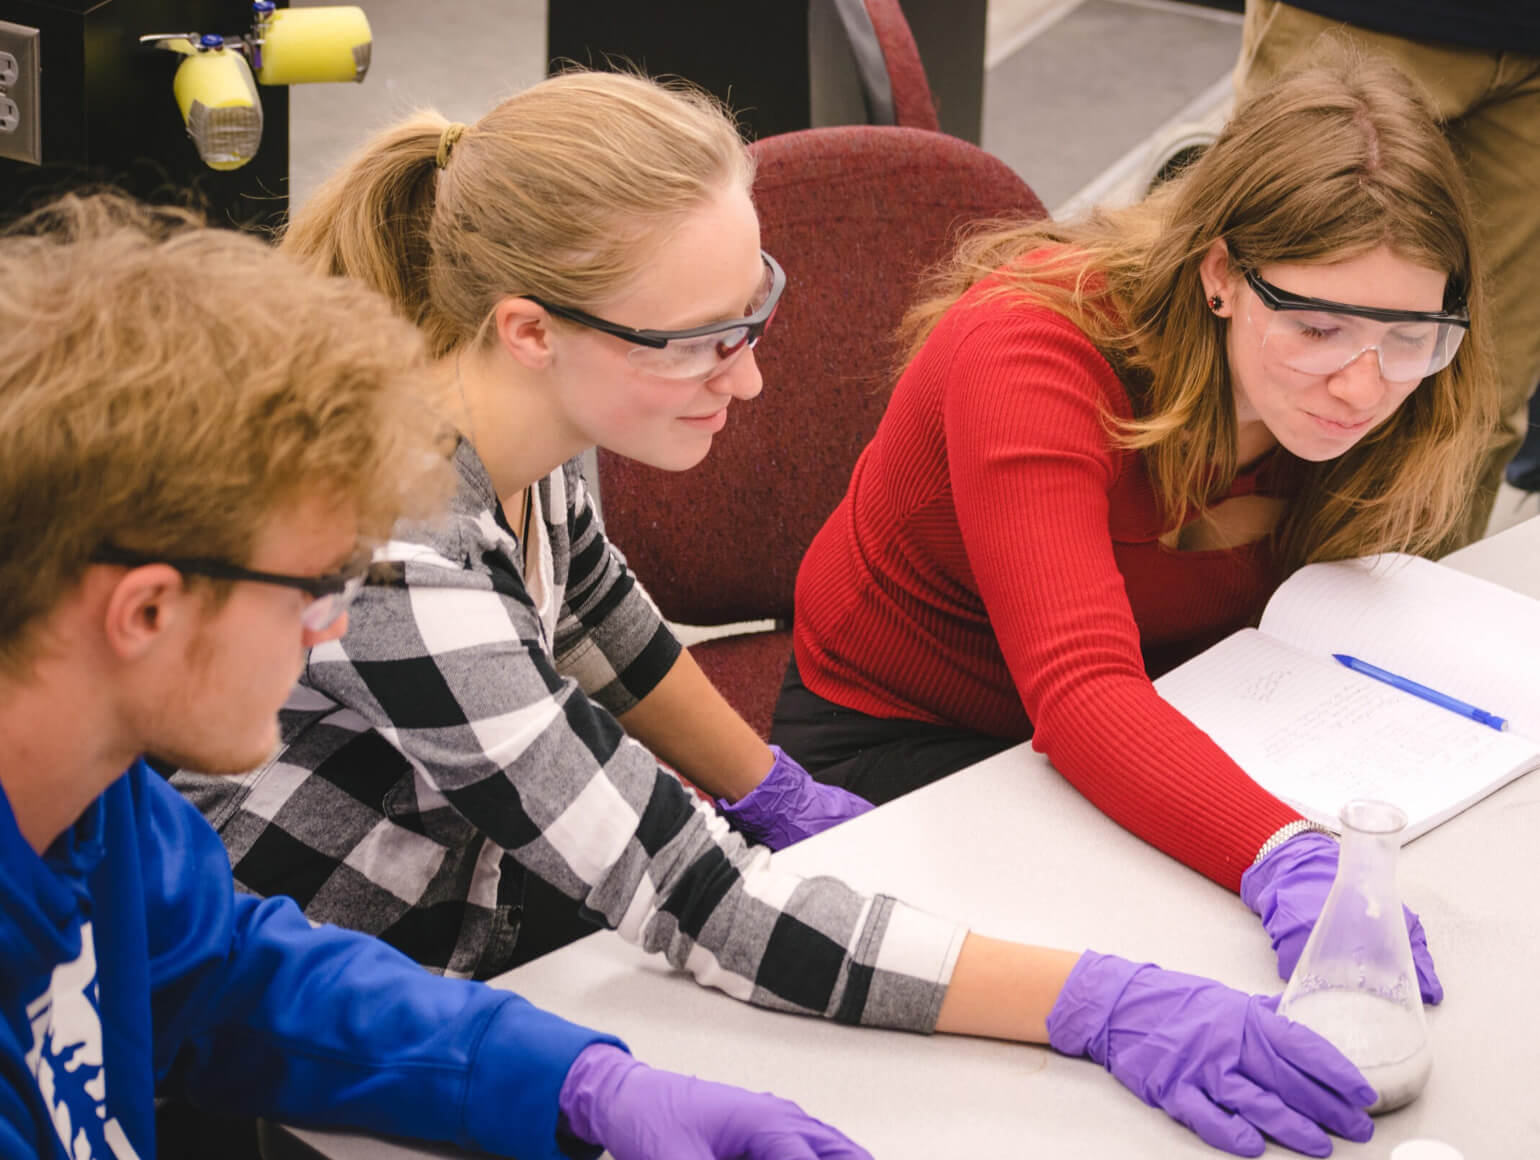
(996, 562)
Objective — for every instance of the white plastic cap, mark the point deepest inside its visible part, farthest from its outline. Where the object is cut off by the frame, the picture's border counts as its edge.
(1425, 1150)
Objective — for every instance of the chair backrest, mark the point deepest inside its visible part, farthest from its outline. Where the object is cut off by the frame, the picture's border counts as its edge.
(913, 104)
(875, 75)
(855, 214)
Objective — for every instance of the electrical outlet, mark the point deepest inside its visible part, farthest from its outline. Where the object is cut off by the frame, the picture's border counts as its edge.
(21, 122)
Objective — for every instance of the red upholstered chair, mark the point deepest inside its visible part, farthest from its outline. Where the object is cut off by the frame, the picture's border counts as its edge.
(854, 214)
(913, 104)
(875, 71)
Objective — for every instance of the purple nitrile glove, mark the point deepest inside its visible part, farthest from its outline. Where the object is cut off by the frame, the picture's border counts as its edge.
(636, 1112)
(1222, 1062)
(789, 806)
(1287, 889)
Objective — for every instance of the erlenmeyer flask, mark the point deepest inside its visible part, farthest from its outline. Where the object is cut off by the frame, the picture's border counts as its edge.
(1355, 983)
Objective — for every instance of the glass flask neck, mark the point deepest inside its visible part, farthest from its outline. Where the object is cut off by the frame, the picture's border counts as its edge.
(1371, 845)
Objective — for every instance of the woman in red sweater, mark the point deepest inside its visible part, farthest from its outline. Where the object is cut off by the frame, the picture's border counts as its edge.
(1112, 440)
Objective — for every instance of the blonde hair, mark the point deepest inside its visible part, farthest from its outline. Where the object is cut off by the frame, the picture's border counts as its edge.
(561, 191)
(167, 388)
(1327, 163)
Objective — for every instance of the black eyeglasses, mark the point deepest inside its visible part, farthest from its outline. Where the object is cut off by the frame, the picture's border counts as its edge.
(697, 351)
(1277, 299)
(329, 595)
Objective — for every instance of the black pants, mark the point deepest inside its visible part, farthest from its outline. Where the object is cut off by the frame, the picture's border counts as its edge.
(550, 920)
(877, 757)
(182, 1132)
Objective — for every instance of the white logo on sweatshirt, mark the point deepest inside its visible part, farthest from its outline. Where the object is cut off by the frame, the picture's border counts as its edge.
(66, 1059)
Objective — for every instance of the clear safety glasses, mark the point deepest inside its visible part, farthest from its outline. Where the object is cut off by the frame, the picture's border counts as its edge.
(329, 595)
(1320, 337)
(700, 351)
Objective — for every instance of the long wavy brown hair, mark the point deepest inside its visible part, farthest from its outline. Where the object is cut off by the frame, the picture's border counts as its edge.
(1326, 164)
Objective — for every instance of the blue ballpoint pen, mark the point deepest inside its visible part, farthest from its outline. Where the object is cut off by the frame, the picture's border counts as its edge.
(1444, 700)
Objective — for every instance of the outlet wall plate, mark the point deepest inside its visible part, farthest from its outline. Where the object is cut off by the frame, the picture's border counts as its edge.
(21, 121)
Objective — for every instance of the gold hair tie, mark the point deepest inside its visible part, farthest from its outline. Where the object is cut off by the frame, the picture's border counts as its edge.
(446, 142)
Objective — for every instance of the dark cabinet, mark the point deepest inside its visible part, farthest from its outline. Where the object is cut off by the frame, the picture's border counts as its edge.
(108, 115)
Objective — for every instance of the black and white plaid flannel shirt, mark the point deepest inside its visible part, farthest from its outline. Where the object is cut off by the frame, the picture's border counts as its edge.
(444, 736)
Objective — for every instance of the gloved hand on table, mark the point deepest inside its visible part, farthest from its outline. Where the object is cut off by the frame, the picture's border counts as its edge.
(1221, 1062)
(1287, 890)
(636, 1112)
(789, 806)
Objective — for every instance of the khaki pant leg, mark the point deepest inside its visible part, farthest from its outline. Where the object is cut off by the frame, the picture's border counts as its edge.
(1490, 106)
(1499, 142)
(1277, 37)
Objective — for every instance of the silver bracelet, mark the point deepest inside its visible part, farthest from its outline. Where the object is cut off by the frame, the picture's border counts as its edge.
(1292, 830)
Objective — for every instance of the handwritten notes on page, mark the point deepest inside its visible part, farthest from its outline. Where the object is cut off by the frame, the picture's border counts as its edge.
(1316, 734)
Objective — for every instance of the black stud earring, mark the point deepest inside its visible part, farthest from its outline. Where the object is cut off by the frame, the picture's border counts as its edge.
(1215, 302)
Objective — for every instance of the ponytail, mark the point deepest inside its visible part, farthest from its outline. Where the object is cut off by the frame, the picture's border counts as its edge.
(560, 192)
(370, 220)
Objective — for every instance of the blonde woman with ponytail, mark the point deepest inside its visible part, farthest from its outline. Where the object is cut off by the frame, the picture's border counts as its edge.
(1114, 438)
(585, 263)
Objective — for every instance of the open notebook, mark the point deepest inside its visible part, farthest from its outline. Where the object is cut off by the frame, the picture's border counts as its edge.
(1317, 734)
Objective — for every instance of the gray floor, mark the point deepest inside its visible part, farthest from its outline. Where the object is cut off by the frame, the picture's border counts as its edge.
(1061, 104)
(458, 56)
(1096, 84)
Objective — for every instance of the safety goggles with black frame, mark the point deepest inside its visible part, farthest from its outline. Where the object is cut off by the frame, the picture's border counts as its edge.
(1319, 336)
(695, 352)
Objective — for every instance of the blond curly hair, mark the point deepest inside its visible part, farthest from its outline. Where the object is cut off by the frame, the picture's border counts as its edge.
(167, 387)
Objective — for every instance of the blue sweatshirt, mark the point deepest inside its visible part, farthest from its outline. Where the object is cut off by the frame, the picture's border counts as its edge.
(128, 966)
